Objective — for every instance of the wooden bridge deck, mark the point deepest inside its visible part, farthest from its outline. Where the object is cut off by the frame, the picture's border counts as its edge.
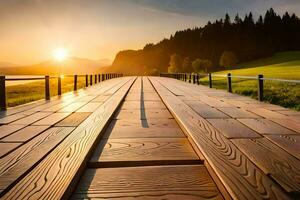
(149, 138)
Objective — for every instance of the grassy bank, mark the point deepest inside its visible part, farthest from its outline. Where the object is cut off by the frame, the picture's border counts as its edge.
(24, 93)
(283, 65)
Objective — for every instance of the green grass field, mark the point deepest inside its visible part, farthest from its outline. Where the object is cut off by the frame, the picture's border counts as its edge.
(24, 93)
(282, 65)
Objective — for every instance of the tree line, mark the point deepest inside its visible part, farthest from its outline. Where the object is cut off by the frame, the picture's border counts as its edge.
(219, 44)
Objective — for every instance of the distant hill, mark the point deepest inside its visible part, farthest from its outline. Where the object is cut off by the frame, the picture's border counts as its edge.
(7, 64)
(72, 65)
(245, 38)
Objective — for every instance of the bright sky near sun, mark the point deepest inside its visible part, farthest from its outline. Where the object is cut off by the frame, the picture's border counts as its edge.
(96, 29)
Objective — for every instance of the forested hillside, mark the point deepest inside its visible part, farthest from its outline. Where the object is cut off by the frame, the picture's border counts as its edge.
(220, 44)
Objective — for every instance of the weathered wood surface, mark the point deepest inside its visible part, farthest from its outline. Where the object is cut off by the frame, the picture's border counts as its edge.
(160, 182)
(212, 145)
(150, 150)
(241, 177)
(48, 178)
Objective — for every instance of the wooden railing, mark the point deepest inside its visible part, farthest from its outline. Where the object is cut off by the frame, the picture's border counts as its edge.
(195, 78)
(89, 80)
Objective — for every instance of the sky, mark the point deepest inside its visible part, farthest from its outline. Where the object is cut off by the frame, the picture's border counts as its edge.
(96, 29)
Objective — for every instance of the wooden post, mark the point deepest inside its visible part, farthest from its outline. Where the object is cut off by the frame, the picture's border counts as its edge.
(2, 93)
(184, 77)
(91, 79)
(198, 82)
(75, 82)
(229, 88)
(210, 80)
(103, 77)
(59, 85)
(260, 90)
(95, 78)
(194, 79)
(86, 80)
(99, 78)
(190, 79)
(47, 88)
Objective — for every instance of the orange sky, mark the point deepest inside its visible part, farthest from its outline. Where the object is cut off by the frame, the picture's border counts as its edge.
(97, 29)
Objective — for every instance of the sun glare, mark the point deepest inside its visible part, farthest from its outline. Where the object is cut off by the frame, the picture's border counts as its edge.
(60, 54)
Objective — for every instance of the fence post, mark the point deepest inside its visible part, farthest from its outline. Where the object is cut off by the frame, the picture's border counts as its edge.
(194, 78)
(2, 93)
(102, 77)
(59, 85)
(184, 77)
(95, 78)
(99, 78)
(86, 80)
(210, 80)
(47, 88)
(75, 82)
(190, 78)
(91, 79)
(260, 90)
(198, 82)
(229, 88)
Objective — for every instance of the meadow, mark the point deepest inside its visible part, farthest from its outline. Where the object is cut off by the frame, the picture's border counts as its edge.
(282, 65)
(27, 92)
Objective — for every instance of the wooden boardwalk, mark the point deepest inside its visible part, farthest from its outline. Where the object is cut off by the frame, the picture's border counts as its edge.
(149, 138)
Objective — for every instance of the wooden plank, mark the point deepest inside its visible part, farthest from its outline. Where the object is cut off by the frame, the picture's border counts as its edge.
(241, 178)
(9, 129)
(57, 107)
(25, 134)
(52, 119)
(264, 126)
(274, 161)
(72, 107)
(101, 98)
(143, 114)
(32, 118)
(5, 148)
(205, 110)
(291, 143)
(147, 151)
(48, 179)
(231, 128)
(22, 160)
(238, 113)
(267, 113)
(288, 123)
(12, 118)
(90, 107)
(74, 119)
(158, 182)
(134, 128)
(131, 105)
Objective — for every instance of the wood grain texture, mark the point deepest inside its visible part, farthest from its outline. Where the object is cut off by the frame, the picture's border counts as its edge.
(12, 118)
(52, 119)
(291, 143)
(239, 175)
(25, 134)
(143, 149)
(232, 128)
(72, 107)
(143, 114)
(288, 123)
(74, 119)
(138, 105)
(265, 126)
(6, 130)
(19, 162)
(205, 110)
(101, 98)
(143, 129)
(238, 113)
(48, 180)
(5, 148)
(161, 182)
(32, 118)
(274, 161)
(90, 107)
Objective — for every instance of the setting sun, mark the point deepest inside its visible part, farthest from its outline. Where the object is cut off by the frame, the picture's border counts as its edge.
(60, 54)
